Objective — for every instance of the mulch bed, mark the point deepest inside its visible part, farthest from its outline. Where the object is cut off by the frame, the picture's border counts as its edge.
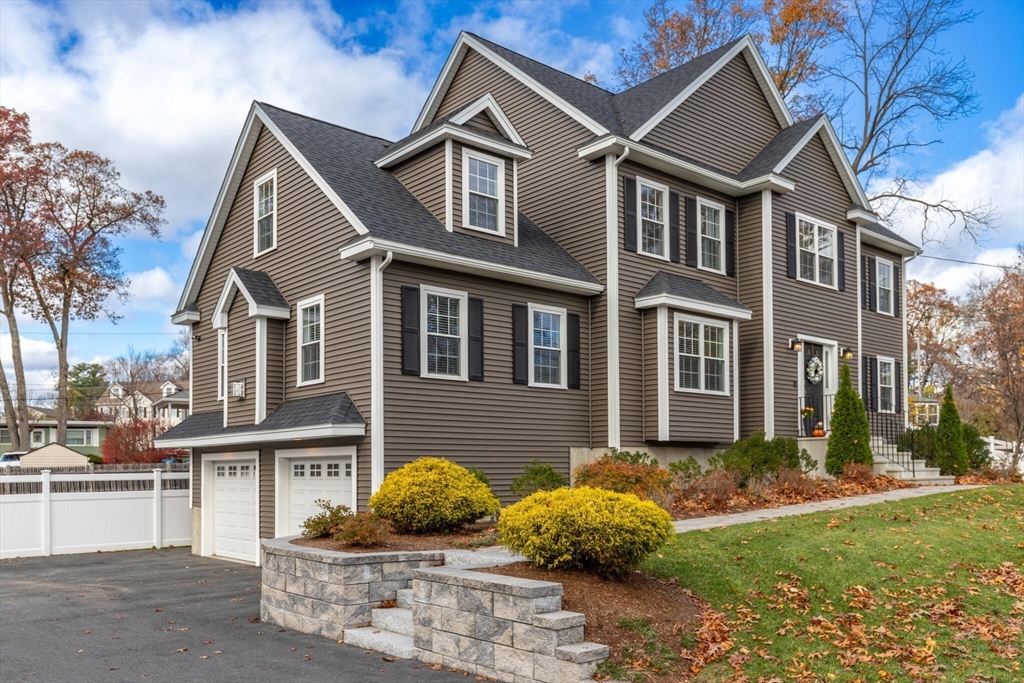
(470, 536)
(665, 606)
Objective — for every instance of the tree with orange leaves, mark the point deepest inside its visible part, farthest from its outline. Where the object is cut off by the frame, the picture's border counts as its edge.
(936, 332)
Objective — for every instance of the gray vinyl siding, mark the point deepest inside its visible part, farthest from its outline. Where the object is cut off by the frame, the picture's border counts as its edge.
(699, 417)
(560, 192)
(804, 307)
(423, 176)
(749, 270)
(725, 122)
(649, 343)
(458, 209)
(492, 424)
(276, 330)
(197, 479)
(483, 122)
(882, 333)
(635, 270)
(266, 493)
(241, 362)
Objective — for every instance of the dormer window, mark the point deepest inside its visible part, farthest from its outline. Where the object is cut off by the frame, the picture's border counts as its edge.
(483, 184)
(115, 391)
(265, 213)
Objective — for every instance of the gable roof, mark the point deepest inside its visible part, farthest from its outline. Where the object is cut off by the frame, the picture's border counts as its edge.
(888, 235)
(666, 288)
(778, 148)
(261, 287)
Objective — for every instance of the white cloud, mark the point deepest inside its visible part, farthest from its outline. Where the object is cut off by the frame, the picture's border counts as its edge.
(36, 354)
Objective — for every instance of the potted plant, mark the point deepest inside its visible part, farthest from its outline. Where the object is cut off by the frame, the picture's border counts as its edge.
(807, 413)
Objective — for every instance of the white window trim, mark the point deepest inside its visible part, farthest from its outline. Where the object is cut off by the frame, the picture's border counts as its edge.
(467, 154)
(271, 175)
(306, 303)
(726, 326)
(666, 247)
(426, 290)
(892, 376)
(562, 348)
(701, 202)
(817, 255)
(222, 348)
(879, 261)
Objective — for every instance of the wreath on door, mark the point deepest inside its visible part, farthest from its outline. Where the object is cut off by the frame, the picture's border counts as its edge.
(815, 370)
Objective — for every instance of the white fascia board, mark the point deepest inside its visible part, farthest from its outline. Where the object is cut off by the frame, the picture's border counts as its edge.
(612, 144)
(327, 431)
(883, 242)
(185, 317)
(450, 131)
(278, 312)
(466, 41)
(487, 102)
(861, 216)
(761, 74)
(437, 259)
(695, 305)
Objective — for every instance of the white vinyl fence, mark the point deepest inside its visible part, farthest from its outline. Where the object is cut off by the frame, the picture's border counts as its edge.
(56, 514)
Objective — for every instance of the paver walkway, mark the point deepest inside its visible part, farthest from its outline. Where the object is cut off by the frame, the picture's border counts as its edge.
(699, 523)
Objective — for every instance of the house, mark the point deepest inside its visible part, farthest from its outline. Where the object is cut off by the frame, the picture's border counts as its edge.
(540, 269)
(83, 436)
(165, 401)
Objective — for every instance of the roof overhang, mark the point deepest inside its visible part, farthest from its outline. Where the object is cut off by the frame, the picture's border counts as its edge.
(370, 246)
(185, 317)
(694, 305)
(666, 163)
(861, 216)
(889, 244)
(459, 133)
(234, 283)
(325, 431)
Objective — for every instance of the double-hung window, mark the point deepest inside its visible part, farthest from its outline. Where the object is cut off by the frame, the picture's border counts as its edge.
(886, 385)
(483, 189)
(702, 348)
(443, 313)
(711, 253)
(265, 213)
(883, 275)
(222, 363)
(653, 202)
(78, 437)
(311, 341)
(816, 243)
(547, 346)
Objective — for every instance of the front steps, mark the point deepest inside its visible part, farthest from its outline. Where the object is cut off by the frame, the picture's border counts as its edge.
(390, 631)
(920, 475)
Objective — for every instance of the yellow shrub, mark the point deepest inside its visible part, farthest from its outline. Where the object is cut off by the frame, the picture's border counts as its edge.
(585, 528)
(432, 494)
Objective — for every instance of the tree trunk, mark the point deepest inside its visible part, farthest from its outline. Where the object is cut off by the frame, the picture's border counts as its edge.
(16, 407)
(62, 374)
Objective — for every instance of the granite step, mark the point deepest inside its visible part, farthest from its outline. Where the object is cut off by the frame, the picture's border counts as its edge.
(394, 619)
(405, 598)
(370, 638)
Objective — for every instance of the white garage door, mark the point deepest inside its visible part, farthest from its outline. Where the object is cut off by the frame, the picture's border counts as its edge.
(317, 479)
(234, 510)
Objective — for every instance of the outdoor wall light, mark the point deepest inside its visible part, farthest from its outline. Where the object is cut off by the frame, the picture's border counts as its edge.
(847, 354)
(796, 345)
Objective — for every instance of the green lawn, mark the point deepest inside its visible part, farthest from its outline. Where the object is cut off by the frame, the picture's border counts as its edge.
(913, 590)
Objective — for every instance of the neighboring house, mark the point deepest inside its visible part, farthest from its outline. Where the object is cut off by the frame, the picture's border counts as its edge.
(54, 455)
(165, 401)
(540, 269)
(83, 436)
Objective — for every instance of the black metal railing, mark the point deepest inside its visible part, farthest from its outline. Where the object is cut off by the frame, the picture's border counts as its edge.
(891, 438)
(815, 414)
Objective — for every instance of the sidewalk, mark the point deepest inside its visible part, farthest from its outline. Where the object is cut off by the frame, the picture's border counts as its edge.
(699, 523)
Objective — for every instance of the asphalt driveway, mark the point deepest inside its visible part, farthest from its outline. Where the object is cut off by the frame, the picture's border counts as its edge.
(163, 615)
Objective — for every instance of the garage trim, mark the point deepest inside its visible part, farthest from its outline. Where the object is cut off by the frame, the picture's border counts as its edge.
(208, 461)
(282, 504)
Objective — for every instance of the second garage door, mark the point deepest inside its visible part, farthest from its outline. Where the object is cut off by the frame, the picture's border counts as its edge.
(234, 509)
(316, 479)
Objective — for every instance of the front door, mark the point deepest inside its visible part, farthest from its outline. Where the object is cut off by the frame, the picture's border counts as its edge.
(812, 409)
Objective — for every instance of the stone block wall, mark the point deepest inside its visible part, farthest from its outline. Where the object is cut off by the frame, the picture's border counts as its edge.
(322, 592)
(501, 627)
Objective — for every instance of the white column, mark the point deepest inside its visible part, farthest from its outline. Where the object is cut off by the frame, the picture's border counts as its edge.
(46, 511)
(158, 508)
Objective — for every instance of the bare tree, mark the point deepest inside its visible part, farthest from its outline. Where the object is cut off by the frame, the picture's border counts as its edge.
(895, 77)
(132, 371)
(179, 357)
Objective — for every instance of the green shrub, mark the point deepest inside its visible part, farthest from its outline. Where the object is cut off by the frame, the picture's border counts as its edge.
(920, 441)
(432, 494)
(585, 528)
(538, 476)
(479, 474)
(324, 522)
(950, 452)
(646, 481)
(363, 530)
(686, 471)
(759, 458)
(978, 457)
(850, 438)
(632, 457)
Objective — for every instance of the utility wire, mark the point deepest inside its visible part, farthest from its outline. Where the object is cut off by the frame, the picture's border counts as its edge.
(971, 263)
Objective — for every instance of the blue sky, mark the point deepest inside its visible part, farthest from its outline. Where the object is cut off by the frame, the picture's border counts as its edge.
(163, 89)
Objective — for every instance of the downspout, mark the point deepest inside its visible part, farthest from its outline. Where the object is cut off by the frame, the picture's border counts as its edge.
(377, 369)
(612, 247)
(905, 375)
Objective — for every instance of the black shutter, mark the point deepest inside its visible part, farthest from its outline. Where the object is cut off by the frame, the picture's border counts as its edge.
(865, 383)
(573, 330)
(730, 243)
(410, 330)
(896, 291)
(874, 384)
(791, 244)
(673, 226)
(872, 285)
(898, 385)
(841, 247)
(520, 346)
(629, 192)
(691, 232)
(865, 284)
(476, 339)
